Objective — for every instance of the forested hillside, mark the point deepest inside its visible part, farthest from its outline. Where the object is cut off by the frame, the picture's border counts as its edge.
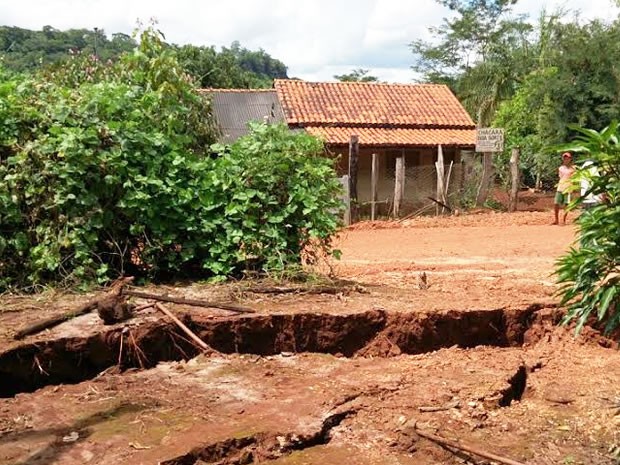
(235, 66)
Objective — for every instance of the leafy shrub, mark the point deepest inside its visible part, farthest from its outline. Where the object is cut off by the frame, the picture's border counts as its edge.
(106, 171)
(279, 195)
(590, 272)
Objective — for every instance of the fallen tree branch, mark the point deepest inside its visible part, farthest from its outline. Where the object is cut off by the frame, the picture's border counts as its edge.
(440, 203)
(48, 323)
(192, 302)
(139, 308)
(116, 292)
(298, 289)
(415, 213)
(113, 291)
(203, 345)
(456, 444)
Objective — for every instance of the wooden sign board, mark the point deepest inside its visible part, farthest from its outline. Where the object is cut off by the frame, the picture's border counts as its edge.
(489, 140)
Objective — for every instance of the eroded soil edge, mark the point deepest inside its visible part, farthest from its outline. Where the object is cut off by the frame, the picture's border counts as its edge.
(373, 333)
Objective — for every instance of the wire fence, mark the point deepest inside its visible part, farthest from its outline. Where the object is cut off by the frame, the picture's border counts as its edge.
(420, 191)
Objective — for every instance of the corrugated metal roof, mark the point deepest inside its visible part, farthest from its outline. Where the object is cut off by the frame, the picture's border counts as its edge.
(234, 109)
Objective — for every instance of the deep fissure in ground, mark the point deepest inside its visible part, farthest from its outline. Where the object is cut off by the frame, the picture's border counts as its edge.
(31, 366)
(260, 447)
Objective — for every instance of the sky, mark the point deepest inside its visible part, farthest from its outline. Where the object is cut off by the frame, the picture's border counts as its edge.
(316, 39)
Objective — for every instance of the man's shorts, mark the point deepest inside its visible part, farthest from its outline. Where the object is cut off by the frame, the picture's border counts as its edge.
(562, 198)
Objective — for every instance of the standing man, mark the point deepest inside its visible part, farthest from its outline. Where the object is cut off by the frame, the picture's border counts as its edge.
(562, 194)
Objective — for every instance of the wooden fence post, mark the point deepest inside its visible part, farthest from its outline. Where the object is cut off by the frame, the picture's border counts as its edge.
(462, 176)
(399, 184)
(354, 151)
(487, 178)
(439, 166)
(374, 178)
(515, 180)
(344, 180)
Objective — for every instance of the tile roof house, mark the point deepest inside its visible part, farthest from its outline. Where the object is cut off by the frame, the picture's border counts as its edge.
(412, 115)
(391, 120)
(235, 108)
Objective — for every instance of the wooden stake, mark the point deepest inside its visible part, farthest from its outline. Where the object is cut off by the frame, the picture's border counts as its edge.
(399, 184)
(462, 175)
(184, 328)
(439, 167)
(347, 199)
(467, 448)
(487, 178)
(514, 179)
(354, 151)
(192, 302)
(447, 186)
(374, 178)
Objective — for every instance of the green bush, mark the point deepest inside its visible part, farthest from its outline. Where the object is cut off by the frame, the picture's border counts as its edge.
(280, 199)
(590, 272)
(105, 170)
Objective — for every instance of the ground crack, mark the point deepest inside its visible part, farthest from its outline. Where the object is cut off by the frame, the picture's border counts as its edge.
(374, 333)
(261, 446)
(516, 387)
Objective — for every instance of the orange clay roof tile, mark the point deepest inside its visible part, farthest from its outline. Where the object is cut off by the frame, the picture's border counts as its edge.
(370, 104)
(412, 137)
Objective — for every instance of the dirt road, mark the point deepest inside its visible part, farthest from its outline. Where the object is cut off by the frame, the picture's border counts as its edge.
(457, 245)
(484, 261)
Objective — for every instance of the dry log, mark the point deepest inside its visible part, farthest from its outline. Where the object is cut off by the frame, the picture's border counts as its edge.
(203, 345)
(456, 444)
(191, 302)
(112, 307)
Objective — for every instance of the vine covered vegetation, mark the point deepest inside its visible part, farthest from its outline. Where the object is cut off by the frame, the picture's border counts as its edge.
(109, 169)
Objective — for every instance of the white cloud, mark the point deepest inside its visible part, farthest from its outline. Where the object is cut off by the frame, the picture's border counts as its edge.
(314, 38)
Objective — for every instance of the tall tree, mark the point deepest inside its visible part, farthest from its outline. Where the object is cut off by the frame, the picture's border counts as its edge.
(231, 67)
(357, 75)
(464, 39)
(477, 52)
(574, 80)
